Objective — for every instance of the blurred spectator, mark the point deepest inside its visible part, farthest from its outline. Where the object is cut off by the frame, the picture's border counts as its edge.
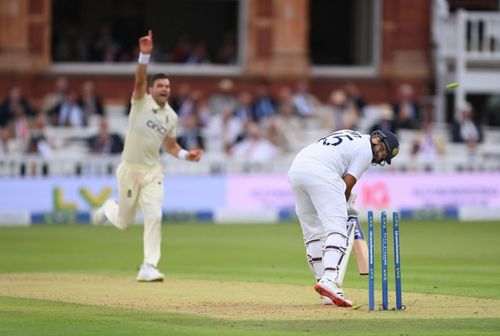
(38, 142)
(342, 115)
(182, 50)
(196, 105)
(68, 112)
(232, 121)
(15, 104)
(386, 120)
(180, 96)
(233, 130)
(227, 54)
(264, 106)
(104, 48)
(90, 103)
(199, 54)
(191, 137)
(427, 147)
(243, 109)
(105, 142)
(254, 148)
(223, 99)
(466, 130)
(354, 97)
(288, 127)
(21, 129)
(55, 98)
(5, 149)
(304, 102)
(406, 109)
(69, 45)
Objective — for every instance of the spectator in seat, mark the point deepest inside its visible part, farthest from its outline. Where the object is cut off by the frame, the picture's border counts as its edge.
(5, 148)
(224, 98)
(55, 98)
(90, 103)
(386, 120)
(288, 128)
(191, 137)
(427, 146)
(466, 130)
(68, 113)
(264, 105)
(255, 148)
(39, 143)
(304, 102)
(105, 142)
(14, 104)
(342, 115)
(180, 96)
(406, 109)
(354, 97)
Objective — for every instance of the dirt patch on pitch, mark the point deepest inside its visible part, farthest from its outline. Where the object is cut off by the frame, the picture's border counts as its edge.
(226, 299)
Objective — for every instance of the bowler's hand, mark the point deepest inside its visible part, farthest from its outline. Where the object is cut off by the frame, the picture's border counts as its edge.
(146, 43)
(194, 155)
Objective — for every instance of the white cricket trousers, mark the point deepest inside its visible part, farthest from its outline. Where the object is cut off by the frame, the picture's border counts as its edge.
(322, 211)
(319, 203)
(140, 186)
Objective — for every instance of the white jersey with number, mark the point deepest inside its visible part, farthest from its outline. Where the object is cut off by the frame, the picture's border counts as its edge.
(342, 152)
(148, 125)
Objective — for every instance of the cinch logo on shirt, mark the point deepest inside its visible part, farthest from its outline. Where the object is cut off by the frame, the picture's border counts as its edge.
(156, 127)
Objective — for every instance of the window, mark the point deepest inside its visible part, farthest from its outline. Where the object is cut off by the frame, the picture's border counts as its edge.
(344, 34)
(106, 31)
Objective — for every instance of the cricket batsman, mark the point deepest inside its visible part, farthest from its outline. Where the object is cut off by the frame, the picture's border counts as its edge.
(152, 122)
(322, 176)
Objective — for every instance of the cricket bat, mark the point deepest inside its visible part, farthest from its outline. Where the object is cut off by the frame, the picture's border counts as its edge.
(360, 248)
(356, 241)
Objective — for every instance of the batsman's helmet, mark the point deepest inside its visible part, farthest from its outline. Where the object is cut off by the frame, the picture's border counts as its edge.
(391, 142)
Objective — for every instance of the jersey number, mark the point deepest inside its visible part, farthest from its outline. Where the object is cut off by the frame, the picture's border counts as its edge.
(336, 138)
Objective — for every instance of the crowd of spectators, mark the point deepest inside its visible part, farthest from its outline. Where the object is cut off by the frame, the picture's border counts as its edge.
(107, 46)
(252, 126)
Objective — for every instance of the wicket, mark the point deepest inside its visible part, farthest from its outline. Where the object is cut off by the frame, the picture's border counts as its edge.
(384, 261)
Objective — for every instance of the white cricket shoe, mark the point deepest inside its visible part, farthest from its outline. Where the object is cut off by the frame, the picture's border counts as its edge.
(326, 301)
(98, 216)
(328, 288)
(149, 273)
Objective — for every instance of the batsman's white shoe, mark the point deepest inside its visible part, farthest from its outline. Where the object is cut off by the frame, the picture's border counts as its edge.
(149, 273)
(328, 288)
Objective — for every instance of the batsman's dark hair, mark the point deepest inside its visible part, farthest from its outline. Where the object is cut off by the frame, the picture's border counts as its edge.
(158, 76)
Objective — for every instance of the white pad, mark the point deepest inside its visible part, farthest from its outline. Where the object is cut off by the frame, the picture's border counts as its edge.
(351, 225)
(315, 258)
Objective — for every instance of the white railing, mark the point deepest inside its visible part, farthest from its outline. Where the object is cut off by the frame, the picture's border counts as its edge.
(457, 158)
(467, 51)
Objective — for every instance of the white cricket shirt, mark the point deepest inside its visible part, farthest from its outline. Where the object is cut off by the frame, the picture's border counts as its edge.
(148, 124)
(342, 152)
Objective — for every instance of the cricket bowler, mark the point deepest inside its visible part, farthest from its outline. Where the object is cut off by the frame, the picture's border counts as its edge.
(152, 122)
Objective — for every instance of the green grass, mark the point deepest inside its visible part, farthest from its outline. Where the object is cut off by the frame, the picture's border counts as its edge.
(32, 317)
(444, 257)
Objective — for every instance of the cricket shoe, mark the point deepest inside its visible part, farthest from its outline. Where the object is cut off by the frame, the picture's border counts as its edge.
(98, 216)
(149, 273)
(326, 301)
(328, 288)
